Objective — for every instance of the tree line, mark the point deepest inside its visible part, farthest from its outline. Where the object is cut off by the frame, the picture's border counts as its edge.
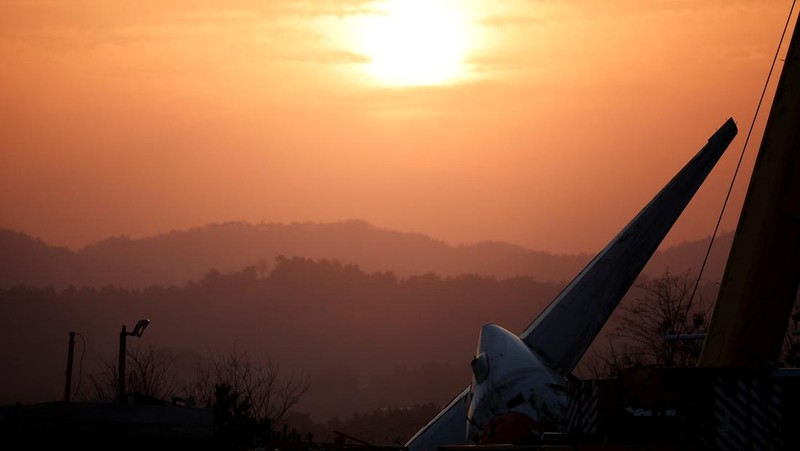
(352, 341)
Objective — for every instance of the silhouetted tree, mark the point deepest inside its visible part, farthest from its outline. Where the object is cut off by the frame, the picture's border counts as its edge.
(663, 308)
(258, 382)
(233, 418)
(148, 372)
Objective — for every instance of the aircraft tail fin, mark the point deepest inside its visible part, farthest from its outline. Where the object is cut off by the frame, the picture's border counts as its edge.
(561, 334)
(564, 330)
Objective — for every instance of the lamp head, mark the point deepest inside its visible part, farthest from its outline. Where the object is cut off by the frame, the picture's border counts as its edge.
(140, 327)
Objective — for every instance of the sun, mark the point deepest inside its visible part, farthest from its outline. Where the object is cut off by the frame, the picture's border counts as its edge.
(416, 42)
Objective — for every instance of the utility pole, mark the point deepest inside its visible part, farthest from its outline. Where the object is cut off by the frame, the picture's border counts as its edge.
(68, 385)
(121, 371)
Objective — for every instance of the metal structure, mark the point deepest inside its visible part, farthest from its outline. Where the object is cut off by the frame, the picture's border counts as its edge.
(761, 277)
(141, 325)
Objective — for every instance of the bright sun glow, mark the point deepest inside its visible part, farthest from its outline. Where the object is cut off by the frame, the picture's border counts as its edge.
(416, 42)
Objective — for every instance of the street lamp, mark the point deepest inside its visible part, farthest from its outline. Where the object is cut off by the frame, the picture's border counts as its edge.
(123, 335)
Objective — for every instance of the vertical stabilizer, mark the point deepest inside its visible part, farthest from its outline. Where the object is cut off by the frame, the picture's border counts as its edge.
(565, 329)
(562, 333)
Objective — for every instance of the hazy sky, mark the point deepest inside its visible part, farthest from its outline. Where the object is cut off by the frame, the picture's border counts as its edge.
(543, 123)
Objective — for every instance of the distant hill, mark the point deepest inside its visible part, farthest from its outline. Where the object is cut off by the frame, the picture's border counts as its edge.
(180, 256)
(690, 254)
(30, 261)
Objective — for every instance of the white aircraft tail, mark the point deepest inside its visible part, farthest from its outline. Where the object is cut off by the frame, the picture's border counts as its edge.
(562, 333)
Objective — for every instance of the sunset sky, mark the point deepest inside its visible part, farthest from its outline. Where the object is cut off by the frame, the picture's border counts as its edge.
(544, 123)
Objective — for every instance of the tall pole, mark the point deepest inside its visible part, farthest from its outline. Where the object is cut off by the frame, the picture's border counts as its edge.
(68, 385)
(121, 381)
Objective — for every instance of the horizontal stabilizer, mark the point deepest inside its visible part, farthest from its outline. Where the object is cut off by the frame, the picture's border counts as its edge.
(449, 427)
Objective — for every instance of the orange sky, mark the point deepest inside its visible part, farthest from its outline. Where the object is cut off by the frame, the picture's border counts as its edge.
(543, 123)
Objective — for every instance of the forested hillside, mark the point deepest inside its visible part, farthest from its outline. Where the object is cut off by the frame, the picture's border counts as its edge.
(178, 257)
(371, 338)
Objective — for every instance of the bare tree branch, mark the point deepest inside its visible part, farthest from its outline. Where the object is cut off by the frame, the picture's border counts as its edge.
(150, 372)
(260, 382)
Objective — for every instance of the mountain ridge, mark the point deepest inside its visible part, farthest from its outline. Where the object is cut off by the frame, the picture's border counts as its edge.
(181, 256)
